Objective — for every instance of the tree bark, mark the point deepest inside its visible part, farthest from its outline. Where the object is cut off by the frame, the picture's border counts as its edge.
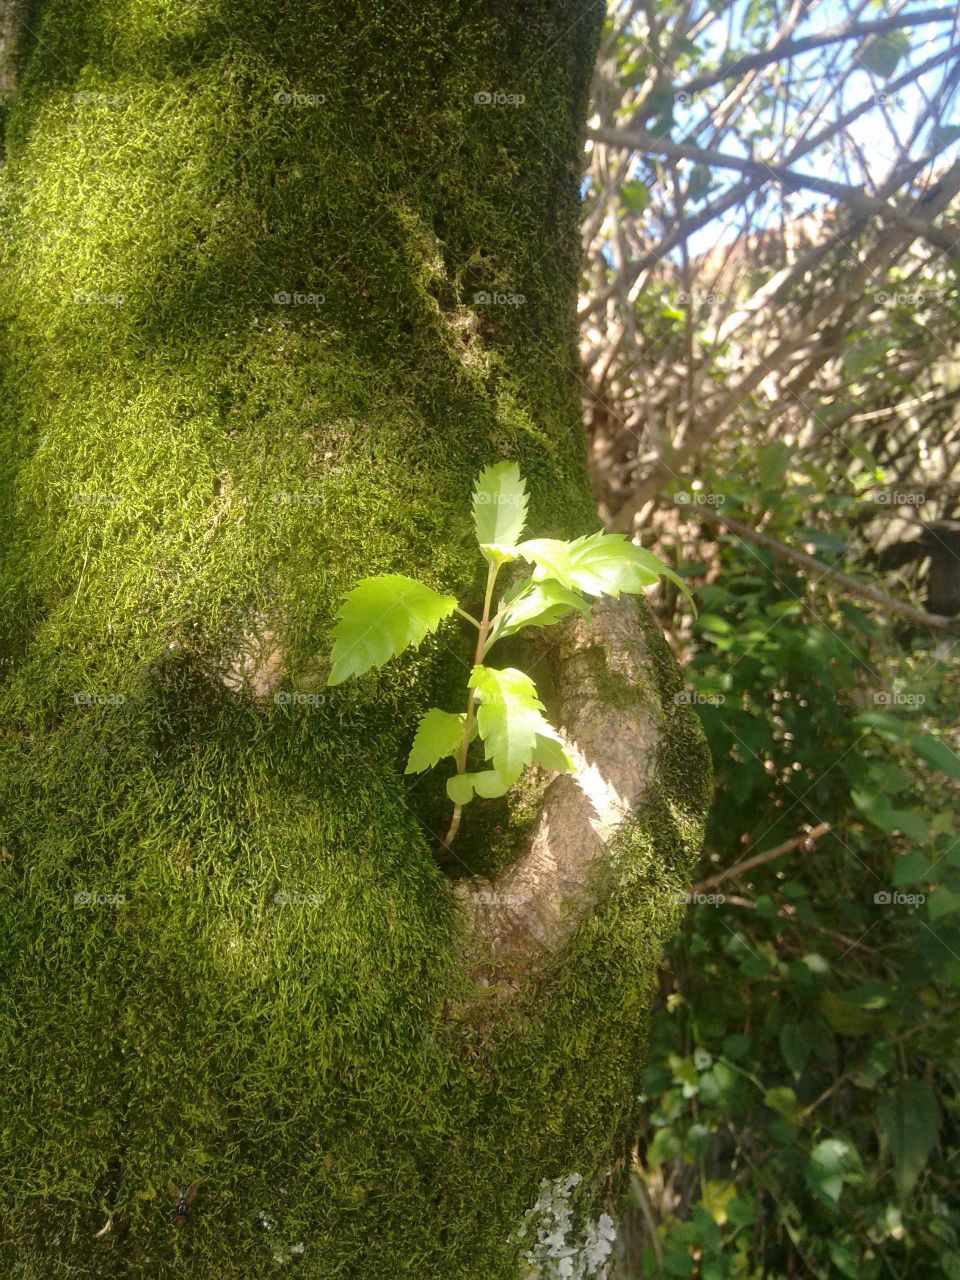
(278, 279)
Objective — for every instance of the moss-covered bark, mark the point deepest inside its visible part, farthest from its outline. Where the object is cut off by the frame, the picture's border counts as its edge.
(229, 953)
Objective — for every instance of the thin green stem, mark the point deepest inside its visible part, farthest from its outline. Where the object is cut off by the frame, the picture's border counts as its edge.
(469, 617)
(484, 626)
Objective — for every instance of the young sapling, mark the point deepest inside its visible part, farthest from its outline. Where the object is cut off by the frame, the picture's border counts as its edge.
(388, 613)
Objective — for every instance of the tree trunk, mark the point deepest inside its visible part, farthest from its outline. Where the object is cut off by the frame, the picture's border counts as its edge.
(279, 279)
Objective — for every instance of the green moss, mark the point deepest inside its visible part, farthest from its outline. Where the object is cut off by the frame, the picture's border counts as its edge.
(184, 459)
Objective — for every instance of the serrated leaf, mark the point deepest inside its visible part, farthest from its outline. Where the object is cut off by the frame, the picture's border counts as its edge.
(598, 564)
(380, 618)
(499, 509)
(538, 604)
(504, 685)
(510, 718)
(910, 1121)
(550, 753)
(439, 734)
(509, 735)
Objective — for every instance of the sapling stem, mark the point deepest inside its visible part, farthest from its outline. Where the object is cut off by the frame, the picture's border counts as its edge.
(468, 722)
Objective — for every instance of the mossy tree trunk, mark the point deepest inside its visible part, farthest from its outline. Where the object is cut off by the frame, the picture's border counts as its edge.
(278, 281)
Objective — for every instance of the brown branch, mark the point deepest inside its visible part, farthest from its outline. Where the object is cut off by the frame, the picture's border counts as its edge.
(831, 35)
(891, 244)
(862, 590)
(806, 841)
(741, 190)
(638, 140)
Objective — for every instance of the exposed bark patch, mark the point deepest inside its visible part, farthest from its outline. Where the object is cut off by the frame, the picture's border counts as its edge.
(259, 665)
(11, 20)
(613, 732)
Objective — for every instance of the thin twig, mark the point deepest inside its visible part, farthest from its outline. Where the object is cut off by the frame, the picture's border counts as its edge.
(758, 859)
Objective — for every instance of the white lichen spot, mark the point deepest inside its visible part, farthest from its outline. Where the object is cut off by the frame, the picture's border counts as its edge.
(287, 1253)
(568, 1246)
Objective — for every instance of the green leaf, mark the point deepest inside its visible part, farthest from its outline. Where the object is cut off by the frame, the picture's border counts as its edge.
(887, 725)
(942, 902)
(831, 1164)
(941, 136)
(490, 784)
(499, 510)
(911, 868)
(909, 1121)
(460, 788)
(550, 753)
(865, 355)
(936, 752)
(844, 1016)
(635, 196)
(879, 809)
(439, 734)
(795, 1046)
(881, 54)
(380, 618)
(701, 179)
(598, 563)
(781, 1099)
(774, 460)
(537, 604)
(509, 718)
(665, 1146)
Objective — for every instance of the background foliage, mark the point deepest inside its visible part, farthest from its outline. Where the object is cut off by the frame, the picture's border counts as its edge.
(765, 355)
